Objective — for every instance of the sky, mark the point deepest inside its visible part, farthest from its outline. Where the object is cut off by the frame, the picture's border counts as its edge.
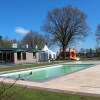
(17, 17)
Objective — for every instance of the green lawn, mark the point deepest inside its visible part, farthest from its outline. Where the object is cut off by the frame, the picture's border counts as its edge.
(32, 94)
(90, 59)
(27, 66)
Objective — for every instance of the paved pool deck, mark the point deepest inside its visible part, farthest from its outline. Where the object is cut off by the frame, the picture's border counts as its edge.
(84, 82)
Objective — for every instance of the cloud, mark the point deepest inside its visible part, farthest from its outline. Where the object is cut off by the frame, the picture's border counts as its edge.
(21, 30)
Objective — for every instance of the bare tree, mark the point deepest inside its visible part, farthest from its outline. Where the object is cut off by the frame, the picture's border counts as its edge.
(29, 39)
(48, 40)
(32, 39)
(0, 38)
(97, 35)
(40, 41)
(65, 26)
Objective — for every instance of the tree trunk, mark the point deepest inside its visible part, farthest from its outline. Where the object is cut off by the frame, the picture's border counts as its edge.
(64, 49)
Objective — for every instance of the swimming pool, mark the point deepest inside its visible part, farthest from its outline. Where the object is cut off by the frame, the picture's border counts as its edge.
(45, 72)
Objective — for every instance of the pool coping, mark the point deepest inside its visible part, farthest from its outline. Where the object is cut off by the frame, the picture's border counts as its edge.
(60, 91)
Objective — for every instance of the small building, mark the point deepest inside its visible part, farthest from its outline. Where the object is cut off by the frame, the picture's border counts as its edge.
(18, 55)
(47, 54)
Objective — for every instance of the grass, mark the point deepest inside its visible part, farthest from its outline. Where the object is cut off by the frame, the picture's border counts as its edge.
(90, 59)
(28, 66)
(32, 94)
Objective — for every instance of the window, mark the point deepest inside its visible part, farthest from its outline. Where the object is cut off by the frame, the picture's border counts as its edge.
(19, 55)
(50, 56)
(34, 54)
(24, 56)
